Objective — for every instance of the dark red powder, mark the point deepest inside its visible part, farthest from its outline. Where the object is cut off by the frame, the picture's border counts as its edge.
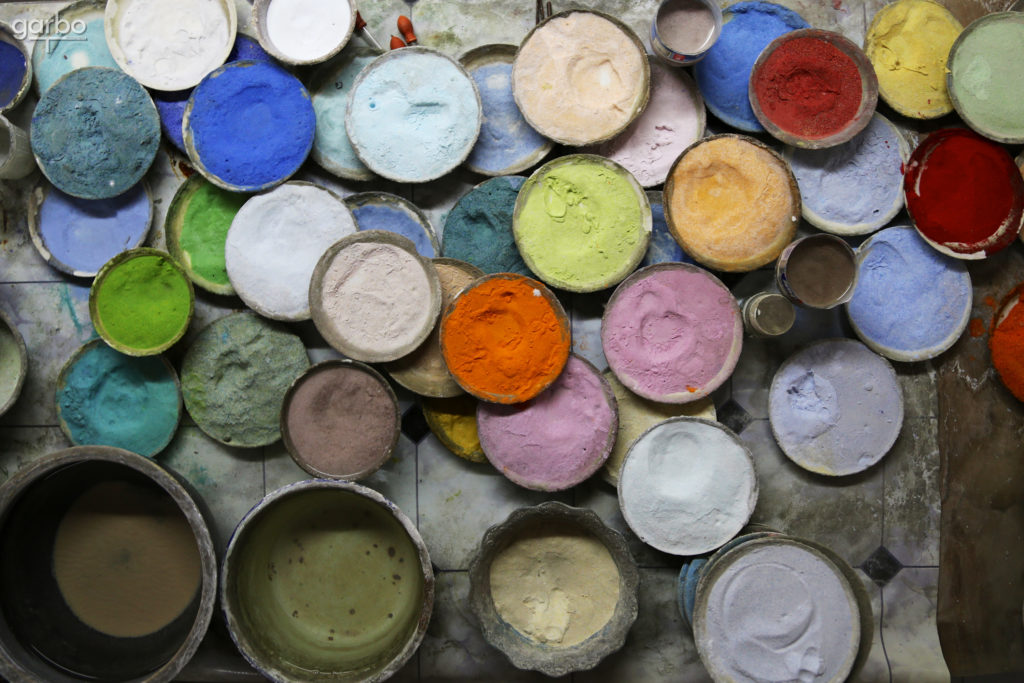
(809, 88)
(964, 192)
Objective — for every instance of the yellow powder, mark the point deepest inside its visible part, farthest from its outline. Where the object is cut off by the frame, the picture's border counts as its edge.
(908, 43)
(637, 414)
(580, 79)
(125, 559)
(732, 204)
(558, 586)
(453, 422)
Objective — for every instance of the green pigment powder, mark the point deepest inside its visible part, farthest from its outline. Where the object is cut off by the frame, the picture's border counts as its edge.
(988, 79)
(582, 226)
(143, 303)
(205, 229)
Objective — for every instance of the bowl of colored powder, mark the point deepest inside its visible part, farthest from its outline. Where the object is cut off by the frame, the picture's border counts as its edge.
(141, 302)
(964, 193)
(13, 362)
(328, 577)
(813, 88)
(115, 551)
(15, 69)
(71, 39)
(453, 422)
(554, 588)
(478, 229)
(582, 223)
(908, 43)
(983, 76)
(385, 211)
(196, 229)
(329, 87)
(302, 32)
(505, 338)
(1006, 342)
(732, 203)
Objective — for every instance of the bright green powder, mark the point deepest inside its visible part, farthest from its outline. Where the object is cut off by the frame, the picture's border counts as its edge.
(143, 303)
(582, 226)
(205, 229)
(988, 79)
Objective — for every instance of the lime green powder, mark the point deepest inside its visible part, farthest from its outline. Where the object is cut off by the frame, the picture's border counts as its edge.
(987, 77)
(582, 226)
(205, 229)
(143, 303)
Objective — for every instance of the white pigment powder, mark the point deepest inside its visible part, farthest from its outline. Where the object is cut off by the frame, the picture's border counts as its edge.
(170, 44)
(687, 486)
(377, 297)
(275, 242)
(307, 30)
(779, 612)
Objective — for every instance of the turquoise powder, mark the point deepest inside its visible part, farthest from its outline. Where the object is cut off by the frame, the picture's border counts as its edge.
(478, 229)
(66, 52)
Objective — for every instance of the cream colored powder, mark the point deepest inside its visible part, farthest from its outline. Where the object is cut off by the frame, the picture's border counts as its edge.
(579, 79)
(558, 586)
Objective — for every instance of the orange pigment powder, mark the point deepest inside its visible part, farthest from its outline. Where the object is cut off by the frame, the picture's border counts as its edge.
(977, 327)
(505, 339)
(1007, 345)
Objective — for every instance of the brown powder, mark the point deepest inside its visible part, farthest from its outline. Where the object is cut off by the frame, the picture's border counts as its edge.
(342, 420)
(126, 560)
(820, 271)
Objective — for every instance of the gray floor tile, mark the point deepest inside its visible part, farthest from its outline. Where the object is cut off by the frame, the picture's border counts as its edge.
(876, 668)
(917, 382)
(20, 261)
(912, 501)
(453, 28)
(908, 627)
(586, 312)
(752, 377)
(21, 445)
(600, 497)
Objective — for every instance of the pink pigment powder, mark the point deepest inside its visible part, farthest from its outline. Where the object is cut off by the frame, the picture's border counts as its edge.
(672, 333)
(557, 439)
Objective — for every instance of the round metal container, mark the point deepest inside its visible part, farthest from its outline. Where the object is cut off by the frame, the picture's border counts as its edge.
(685, 57)
(259, 19)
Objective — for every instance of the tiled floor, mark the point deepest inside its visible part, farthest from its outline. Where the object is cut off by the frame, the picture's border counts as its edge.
(884, 521)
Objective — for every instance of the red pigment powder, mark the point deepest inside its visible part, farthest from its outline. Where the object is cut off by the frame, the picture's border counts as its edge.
(808, 87)
(964, 192)
(1007, 345)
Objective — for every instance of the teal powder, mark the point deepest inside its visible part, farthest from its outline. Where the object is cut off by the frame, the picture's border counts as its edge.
(478, 229)
(110, 399)
(331, 146)
(66, 52)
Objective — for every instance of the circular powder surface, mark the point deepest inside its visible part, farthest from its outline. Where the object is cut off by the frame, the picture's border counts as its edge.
(65, 50)
(687, 486)
(505, 338)
(275, 242)
(775, 610)
(170, 44)
(95, 133)
(235, 375)
(374, 298)
(306, 31)
(413, 115)
(340, 420)
(580, 78)
(329, 91)
(453, 422)
(835, 407)
(386, 211)
(1005, 342)
(582, 223)
(672, 333)
(911, 302)
(557, 439)
(478, 229)
(732, 203)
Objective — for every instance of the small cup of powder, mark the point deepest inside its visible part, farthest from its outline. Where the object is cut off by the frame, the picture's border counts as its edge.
(303, 32)
(819, 271)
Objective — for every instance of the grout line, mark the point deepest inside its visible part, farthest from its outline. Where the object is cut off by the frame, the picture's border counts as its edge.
(881, 630)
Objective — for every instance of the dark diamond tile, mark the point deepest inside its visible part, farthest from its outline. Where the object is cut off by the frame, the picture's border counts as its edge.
(881, 566)
(734, 416)
(414, 425)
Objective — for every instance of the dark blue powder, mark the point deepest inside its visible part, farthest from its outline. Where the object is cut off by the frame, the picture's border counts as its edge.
(12, 72)
(724, 74)
(252, 124)
(478, 229)
(247, 48)
(393, 219)
(663, 246)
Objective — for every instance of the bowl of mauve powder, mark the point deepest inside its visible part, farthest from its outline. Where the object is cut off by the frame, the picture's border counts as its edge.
(340, 420)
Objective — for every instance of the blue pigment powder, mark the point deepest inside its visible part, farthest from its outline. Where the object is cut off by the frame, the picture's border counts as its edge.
(478, 229)
(110, 399)
(247, 48)
(858, 184)
(724, 74)
(394, 219)
(13, 66)
(95, 132)
(331, 146)
(83, 234)
(507, 142)
(251, 124)
(909, 297)
(413, 116)
(663, 247)
(66, 52)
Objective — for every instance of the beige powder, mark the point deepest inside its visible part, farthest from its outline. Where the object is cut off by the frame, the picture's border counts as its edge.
(579, 79)
(126, 560)
(558, 586)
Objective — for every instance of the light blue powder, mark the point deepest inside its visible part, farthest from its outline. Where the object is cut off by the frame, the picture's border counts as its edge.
(478, 229)
(909, 297)
(413, 116)
(507, 142)
(663, 247)
(393, 219)
(724, 74)
(331, 146)
(858, 184)
(110, 399)
(83, 234)
(66, 52)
